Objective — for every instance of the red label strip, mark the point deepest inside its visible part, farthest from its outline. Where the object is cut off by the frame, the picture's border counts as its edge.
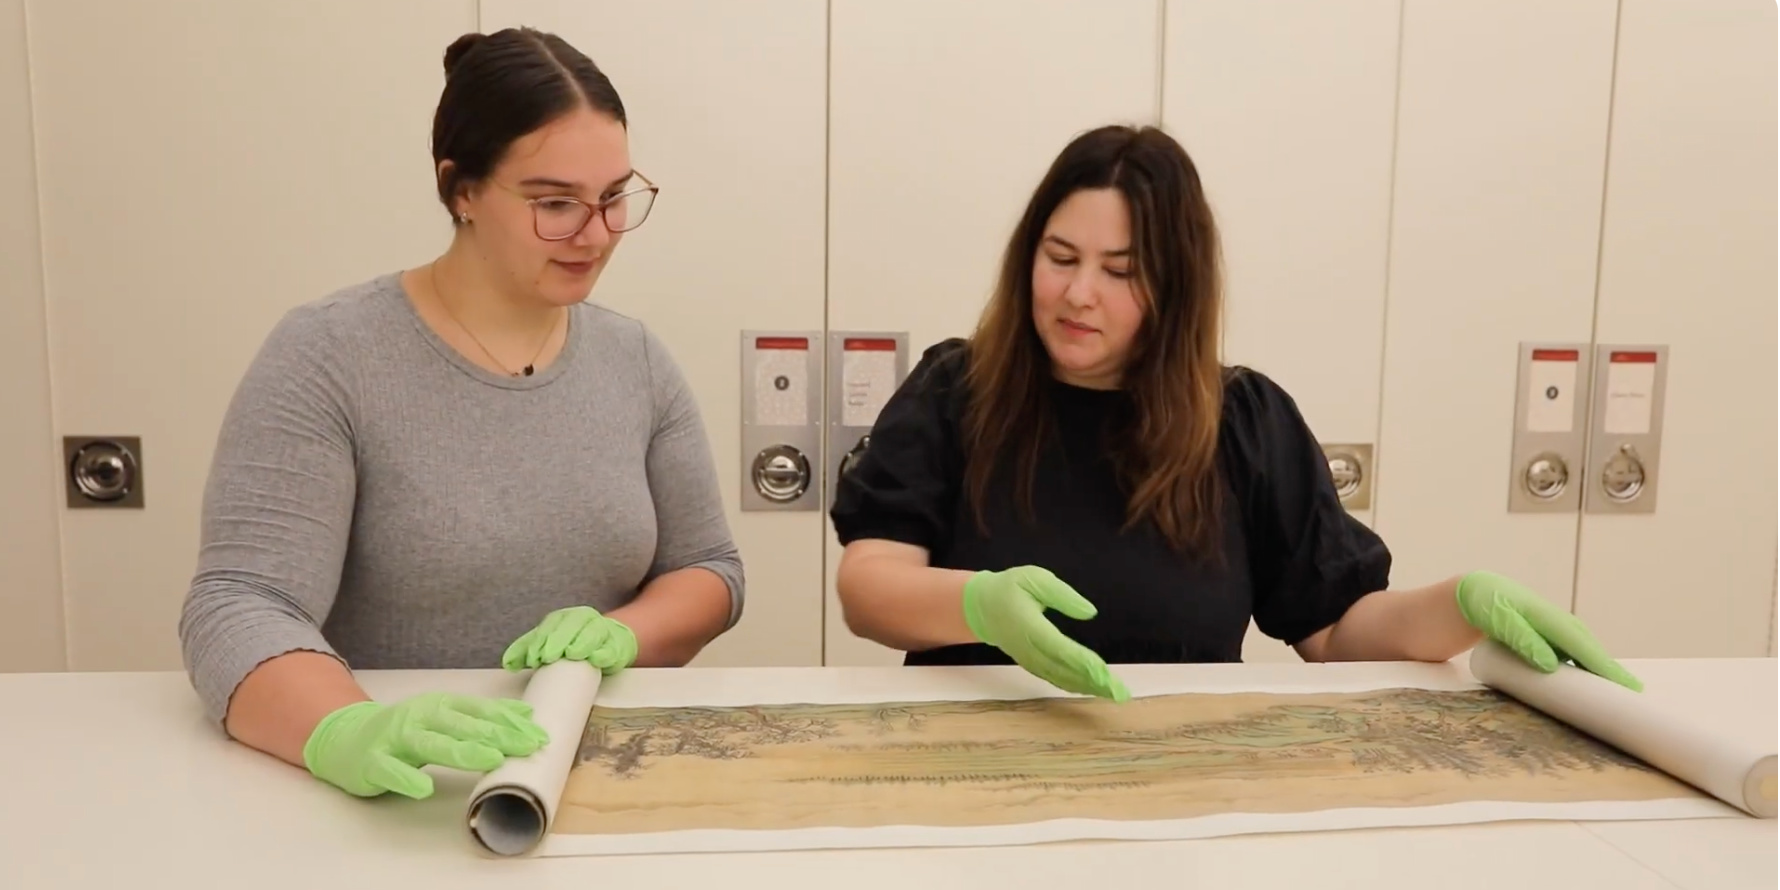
(869, 344)
(781, 343)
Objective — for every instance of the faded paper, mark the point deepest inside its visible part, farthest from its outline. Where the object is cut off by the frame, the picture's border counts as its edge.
(1733, 761)
(1008, 771)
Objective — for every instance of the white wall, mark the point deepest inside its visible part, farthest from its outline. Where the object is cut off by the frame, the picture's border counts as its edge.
(31, 624)
(1496, 220)
(1408, 189)
(1687, 260)
(190, 196)
(727, 104)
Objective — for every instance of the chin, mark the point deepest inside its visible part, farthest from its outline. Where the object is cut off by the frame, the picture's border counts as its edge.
(1076, 358)
(562, 289)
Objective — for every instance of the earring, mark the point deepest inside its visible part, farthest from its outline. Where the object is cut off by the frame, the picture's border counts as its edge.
(464, 218)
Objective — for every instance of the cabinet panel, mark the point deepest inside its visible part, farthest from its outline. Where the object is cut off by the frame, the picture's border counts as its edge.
(726, 104)
(190, 198)
(1688, 262)
(31, 629)
(944, 117)
(1501, 147)
(1288, 114)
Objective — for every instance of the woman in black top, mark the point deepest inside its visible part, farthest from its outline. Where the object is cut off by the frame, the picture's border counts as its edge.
(1084, 482)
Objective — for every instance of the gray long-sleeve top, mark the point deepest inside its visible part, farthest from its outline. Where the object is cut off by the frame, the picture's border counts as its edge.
(376, 496)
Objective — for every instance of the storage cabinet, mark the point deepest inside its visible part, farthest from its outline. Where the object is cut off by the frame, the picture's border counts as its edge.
(188, 197)
(938, 135)
(32, 633)
(1687, 262)
(727, 111)
(1288, 112)
(1410, 192)
(1501, 151)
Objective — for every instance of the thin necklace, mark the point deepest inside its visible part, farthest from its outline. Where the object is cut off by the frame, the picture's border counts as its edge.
(530, 368)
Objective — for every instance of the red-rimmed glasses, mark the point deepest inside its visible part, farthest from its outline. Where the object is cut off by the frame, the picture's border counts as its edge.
(560, 217)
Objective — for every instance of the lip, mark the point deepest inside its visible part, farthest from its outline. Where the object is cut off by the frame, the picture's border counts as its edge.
(575, 268)
(1076, 327)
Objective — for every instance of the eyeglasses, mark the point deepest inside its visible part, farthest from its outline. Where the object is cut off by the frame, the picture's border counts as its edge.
(560, 217)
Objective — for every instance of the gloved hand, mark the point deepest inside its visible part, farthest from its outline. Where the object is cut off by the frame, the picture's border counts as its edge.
(579, 633)
(1533, 628)
(368, 748)
(1006, 609)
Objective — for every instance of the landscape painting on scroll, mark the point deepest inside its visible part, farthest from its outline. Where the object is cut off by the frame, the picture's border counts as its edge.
(975, 763)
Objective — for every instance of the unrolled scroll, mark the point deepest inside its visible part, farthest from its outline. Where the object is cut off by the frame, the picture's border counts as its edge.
(1730, 759)
(512, 808)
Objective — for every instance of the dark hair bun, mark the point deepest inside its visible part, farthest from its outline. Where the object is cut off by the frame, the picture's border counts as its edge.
(458, 49)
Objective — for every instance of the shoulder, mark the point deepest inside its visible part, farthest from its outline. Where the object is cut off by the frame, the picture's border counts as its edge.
(624, 338)
(943, 364)
(1252, 397)
(1261, 423)
(328, 337)
(939, 376)
(338, 323)
(623, 357)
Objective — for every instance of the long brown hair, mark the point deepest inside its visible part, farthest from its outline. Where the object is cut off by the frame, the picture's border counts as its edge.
(1168, 456)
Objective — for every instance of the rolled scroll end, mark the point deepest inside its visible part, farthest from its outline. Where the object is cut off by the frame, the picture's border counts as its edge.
(507, 820)
(1759, 788)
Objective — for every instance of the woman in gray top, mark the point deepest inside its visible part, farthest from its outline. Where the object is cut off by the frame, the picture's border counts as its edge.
(463, 464)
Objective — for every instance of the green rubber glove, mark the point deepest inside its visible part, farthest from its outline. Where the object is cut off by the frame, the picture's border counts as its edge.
(1006, 609)
(368, 748)
(1533, 628)
(579, 633)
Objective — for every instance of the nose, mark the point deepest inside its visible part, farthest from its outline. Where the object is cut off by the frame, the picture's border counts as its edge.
(1080, 292)
(594, 234)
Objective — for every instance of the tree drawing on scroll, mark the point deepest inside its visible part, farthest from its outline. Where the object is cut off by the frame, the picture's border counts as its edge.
(1001, 762)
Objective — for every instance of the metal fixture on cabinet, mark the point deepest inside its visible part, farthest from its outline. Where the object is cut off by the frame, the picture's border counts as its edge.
(852, 456)
(781, 420)
(781, 474)
(1550, 429)
(1547, 476)
(864, 370)
(1622, 479)
(1625, 435)
(1350, 468)
(103, 471)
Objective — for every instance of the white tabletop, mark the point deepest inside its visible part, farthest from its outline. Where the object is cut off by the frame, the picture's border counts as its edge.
(115, 780)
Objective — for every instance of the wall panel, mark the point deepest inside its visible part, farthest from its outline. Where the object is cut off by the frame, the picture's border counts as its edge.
(944, 117)
(31, 621)
(726, 103)
(1288, 111)
(203, 170)
(1688, 262)
(1501, 146)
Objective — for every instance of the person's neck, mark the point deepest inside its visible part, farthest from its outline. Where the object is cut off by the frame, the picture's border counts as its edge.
(470, 291)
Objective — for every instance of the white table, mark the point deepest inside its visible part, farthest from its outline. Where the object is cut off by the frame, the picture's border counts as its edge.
(115, 780)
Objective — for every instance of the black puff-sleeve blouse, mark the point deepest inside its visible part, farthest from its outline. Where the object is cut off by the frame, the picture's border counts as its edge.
(1292, 558)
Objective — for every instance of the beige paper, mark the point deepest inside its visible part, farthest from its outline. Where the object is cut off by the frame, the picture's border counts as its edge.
(512, 808)
(1717, 765)
(1732, 759)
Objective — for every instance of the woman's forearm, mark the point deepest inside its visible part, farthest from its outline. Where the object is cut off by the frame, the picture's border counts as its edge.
(675, 616)
(896, 602)
(1423, 624)
(278, 704)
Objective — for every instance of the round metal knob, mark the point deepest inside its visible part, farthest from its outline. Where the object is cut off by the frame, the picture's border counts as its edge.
(1547, 476)
(781, 474)
(1346, 471)
(104, 471)
(1623, 477)
(852, 456)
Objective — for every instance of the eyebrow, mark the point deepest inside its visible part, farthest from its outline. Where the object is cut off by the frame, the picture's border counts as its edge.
(547, 182)
(1123, 251)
